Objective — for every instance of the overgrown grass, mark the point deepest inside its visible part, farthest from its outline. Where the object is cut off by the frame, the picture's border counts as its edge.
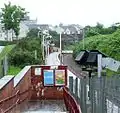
(6, 50)
(13, 70)
(111, 73)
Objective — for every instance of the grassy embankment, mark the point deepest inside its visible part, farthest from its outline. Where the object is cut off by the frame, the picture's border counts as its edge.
(108, 44)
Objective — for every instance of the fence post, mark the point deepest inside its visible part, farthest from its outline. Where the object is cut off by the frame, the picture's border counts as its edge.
(118, 110)
(76, 89)
(71, 84)
(83, 96)
(104, 103)
(91, 91)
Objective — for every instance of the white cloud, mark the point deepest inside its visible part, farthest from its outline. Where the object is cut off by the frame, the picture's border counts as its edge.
(83, 12)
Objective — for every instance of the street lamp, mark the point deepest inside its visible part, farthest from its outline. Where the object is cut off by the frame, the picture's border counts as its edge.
(59, 31)
(44, 33)
(83, 39)
(46, 44)
(42, 41)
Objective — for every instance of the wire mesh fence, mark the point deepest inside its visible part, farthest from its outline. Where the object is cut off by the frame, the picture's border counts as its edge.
(97, 95)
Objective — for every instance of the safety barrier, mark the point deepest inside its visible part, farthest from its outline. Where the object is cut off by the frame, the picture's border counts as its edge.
(15, 91)
(70, 102)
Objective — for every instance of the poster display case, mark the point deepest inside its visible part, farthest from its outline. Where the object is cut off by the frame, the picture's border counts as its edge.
(48, 76)
(37, 71)
(59, 77)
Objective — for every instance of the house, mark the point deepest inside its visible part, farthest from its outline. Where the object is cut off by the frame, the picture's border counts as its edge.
(71, 29)
(23, 30)
(5, 35)
(70, 33)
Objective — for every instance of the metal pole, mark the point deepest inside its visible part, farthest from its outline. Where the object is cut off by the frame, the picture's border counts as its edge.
(60, 49)
(83, 40)
(35, 54)
(43, 48)
(48, 49)
(38, 34)
(99, 64)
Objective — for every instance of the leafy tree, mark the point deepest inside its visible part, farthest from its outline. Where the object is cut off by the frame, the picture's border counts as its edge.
(108, 44)
(24, 53)
(55, 38)
(99, 25)
(100, 29)
(33, 33)
(11, 17)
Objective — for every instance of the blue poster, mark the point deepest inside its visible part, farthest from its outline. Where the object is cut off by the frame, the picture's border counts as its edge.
(48, 77)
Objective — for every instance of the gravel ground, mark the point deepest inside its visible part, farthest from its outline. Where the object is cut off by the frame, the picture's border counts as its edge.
(72, 65)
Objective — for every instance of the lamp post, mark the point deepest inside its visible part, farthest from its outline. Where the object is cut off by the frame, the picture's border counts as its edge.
(83, 39)
(59, 31)
(60, 49)
(44, 33)
(46, 42)
(42, 42)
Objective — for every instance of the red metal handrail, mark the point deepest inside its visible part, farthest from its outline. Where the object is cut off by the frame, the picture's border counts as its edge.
(10, 97)
(70, 102)
(18, 101)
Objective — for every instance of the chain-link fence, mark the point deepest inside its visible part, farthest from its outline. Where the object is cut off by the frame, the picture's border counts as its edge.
(97, 95)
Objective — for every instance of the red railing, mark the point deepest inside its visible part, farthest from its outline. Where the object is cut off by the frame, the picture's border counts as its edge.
(70, 102)
(13, 94)
(10, 102)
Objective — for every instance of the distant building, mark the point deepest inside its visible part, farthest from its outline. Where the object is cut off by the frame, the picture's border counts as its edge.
(72, 29)
(5, 35)
(71, 33)
(23, 31)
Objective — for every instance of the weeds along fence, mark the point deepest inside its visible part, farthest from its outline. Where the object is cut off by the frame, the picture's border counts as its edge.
(97, 95)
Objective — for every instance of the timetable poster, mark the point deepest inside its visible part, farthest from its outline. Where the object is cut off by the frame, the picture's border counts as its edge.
(48, 78)
(37, 71)
(59, 77)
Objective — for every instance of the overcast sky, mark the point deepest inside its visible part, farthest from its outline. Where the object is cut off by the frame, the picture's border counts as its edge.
(83, 12)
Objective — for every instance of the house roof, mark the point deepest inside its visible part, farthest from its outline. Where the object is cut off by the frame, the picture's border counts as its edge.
(72, 28)
(41, 26)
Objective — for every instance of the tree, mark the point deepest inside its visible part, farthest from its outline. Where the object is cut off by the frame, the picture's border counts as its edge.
(24, 53)
(99, 25)
(55, 38)
(11, 17)
(33, 33)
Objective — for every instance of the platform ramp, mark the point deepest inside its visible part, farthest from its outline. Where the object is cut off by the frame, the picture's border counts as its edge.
(44, 106)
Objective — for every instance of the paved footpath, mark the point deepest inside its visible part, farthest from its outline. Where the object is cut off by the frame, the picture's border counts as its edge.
(72, 65)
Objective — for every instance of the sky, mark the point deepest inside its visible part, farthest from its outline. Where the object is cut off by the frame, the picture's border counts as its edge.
(83, 12)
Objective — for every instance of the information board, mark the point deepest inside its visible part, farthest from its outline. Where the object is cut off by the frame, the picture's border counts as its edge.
(59, 77)
(37, 71)
(48, 77)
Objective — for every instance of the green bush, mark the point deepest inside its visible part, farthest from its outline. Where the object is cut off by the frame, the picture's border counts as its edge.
(5, 43)
(108, 44)
(24, 53)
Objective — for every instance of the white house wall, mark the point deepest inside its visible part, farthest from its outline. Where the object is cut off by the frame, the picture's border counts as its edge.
(23, 30)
